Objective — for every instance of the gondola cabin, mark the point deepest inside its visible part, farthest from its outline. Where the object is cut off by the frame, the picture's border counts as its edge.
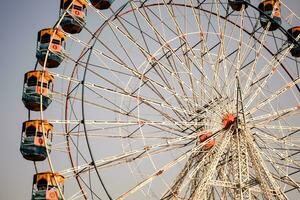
(54, 40)
(294, 37)
(36, 139)
(37, 90)
(73, 12)
(270, 13)
(237, 5)
(229, 120)
(46, 186)
(101, 4)
(206, 136)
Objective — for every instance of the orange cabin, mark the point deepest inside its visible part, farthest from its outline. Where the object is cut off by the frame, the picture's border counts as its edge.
(270, 14)
(37, 85)
(207, 136)
(293, 34)
(74, 20)
(45, 186)
(36, 139)
(53, 40)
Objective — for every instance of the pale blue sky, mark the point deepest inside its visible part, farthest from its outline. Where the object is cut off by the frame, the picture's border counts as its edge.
(20, 21)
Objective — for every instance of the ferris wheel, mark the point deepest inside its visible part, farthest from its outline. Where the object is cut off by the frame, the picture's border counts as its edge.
(165, 99)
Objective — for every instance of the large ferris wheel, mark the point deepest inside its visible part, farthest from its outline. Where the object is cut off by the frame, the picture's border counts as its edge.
(165, 99)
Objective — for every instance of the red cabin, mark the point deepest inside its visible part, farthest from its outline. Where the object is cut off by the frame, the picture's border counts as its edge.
(228, 120)
(203, 136)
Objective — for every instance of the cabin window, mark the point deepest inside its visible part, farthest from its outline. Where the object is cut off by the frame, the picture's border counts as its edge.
(45, 85)
(55, 41)
(45, 38)
(30, 131)
(66, 4)
(268, 7)
(39, 134)
(32, 81)
(48, 133)
(42, 184)
(77, 7)
(50, 85)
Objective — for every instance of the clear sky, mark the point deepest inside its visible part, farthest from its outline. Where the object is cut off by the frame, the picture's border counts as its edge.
(20, 20)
